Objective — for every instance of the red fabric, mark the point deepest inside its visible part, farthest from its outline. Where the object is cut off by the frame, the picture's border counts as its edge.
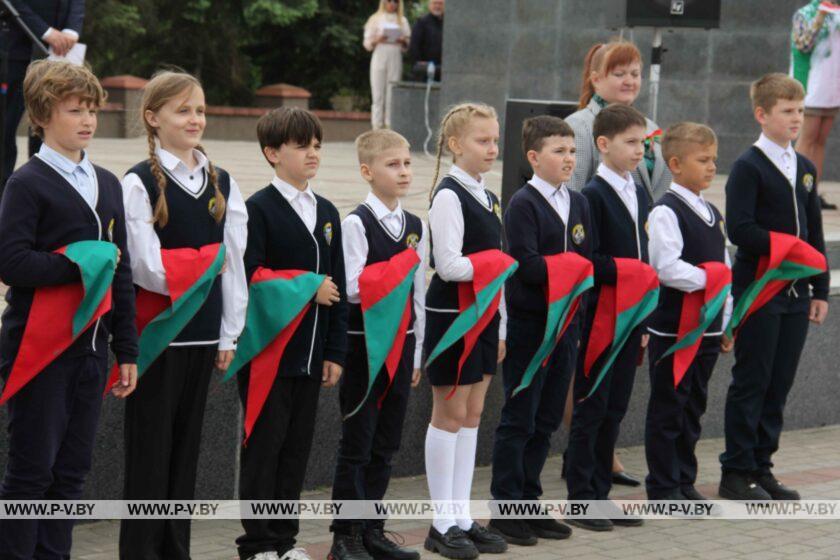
(561, 283)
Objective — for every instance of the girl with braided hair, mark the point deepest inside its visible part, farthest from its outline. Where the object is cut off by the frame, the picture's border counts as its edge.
(465, 333)
(187, 226)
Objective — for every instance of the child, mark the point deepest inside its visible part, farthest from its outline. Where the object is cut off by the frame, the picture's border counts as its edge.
(544, 218)
(771, 190)
(177, 202)
(465, 228)
(603, 382)
(378, 231)
(291, 228)
(57, 208)
(686, 235)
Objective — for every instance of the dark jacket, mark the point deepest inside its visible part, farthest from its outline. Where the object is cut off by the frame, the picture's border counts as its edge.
(40, 15)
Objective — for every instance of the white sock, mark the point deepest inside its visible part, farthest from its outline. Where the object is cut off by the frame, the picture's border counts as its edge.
(463, 476)
(440, 465)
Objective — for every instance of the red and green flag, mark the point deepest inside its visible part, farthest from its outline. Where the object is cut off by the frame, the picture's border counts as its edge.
(790, 259)
(478, 301)
(190, 274)
(60, 314)
(569, 276)
(699, 309)
(621, 308)
(277, 303)
(385, 293)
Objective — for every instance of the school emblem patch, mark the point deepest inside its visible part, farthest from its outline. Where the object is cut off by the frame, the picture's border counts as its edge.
(413, 240)
(578, 234)
(722, 227)
(497, 210)
(328, 232)
(647, 229)
(211, 206)
(110, 231)
(808, 182)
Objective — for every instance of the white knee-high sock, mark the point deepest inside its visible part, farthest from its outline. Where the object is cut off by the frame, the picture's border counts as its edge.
(440, 466)
(464, 468)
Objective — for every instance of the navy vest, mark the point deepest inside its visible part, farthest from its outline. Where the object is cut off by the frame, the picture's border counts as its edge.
(702, 242)
(482, 231)
(191, 224)
(382, 245)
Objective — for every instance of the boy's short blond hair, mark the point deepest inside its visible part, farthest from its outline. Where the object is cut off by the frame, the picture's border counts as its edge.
(685, 136)
(49, 82)
(766, 91)
(373, 142)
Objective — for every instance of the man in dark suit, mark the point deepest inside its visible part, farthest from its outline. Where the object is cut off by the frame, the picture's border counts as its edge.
(58, 24)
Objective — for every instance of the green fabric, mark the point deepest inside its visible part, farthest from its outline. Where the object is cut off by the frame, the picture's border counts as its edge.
(97, 261)
(708, 312)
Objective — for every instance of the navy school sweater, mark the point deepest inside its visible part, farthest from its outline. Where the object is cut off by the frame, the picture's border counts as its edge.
(279, 240)
(39, 213)
(759, 199)
(533, 229)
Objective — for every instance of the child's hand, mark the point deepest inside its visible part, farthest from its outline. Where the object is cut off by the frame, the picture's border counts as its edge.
(223, 359)
(645, 340)
(327, 294)
(331, 375)
(415, 377)
(224, 267)
(127, 382)
(818, 311)
(726, 344)
(502, 352)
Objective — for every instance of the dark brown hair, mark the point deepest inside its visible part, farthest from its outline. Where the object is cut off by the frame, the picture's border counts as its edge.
(288, 124)
(536, 129)
(602, 58)
(615, 119)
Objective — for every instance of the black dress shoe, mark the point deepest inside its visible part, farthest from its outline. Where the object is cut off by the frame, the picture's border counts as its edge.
(741, 487)
(452, 544)
(826, 205)
(549, 528)
(673, 495)
(623, 479)
(691, 493)
(381, 547)
(485, 541)
(776, 489)
(514, 531)
(628, 521)
(592, 524)
(348, 546)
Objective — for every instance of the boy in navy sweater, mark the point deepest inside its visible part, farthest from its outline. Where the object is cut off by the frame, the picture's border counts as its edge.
(291, 228)
(57, 199)
(771, 188)
(686, 233)
(543, 218)
(619, 212)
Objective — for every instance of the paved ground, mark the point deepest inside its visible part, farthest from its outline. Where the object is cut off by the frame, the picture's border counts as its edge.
(809, 460)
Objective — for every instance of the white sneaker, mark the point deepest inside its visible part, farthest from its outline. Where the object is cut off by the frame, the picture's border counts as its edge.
(265, 556)
(296, 554)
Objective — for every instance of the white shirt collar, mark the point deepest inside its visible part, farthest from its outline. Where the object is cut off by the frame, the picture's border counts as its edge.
(467, 179)
(615, 180)
(289, 192)
(170, 161)
(380, 210)
(547, 189)
(695, 199)
(67, 165)
(773, 150)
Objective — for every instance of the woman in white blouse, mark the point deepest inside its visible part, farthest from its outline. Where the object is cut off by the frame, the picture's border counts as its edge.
(387, 35)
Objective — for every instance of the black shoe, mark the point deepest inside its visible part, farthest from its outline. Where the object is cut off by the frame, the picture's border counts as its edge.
(741, 487)
(826, 205)
(628, 521)
(452, 544)
(381, 547)
(592, 524)
(563, 467)
(691, 493)
(549, 528)
(485, 541)
(514, 531)
(623, 479)
(776, 489)
(673, 495)
(348, 546)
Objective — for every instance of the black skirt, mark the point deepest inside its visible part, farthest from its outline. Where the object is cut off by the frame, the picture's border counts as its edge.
(481, 361)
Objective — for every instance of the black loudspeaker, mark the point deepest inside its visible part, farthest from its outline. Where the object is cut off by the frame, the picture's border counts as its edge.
(704, 14)
(516, 170)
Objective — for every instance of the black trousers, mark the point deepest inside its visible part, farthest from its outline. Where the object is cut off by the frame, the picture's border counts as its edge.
(273, 464)
(523, 437)
(371, 437)
(767, 351)
(672, 425)
(163, 421)
(14, 112)
(596, 421)
(52, 426)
